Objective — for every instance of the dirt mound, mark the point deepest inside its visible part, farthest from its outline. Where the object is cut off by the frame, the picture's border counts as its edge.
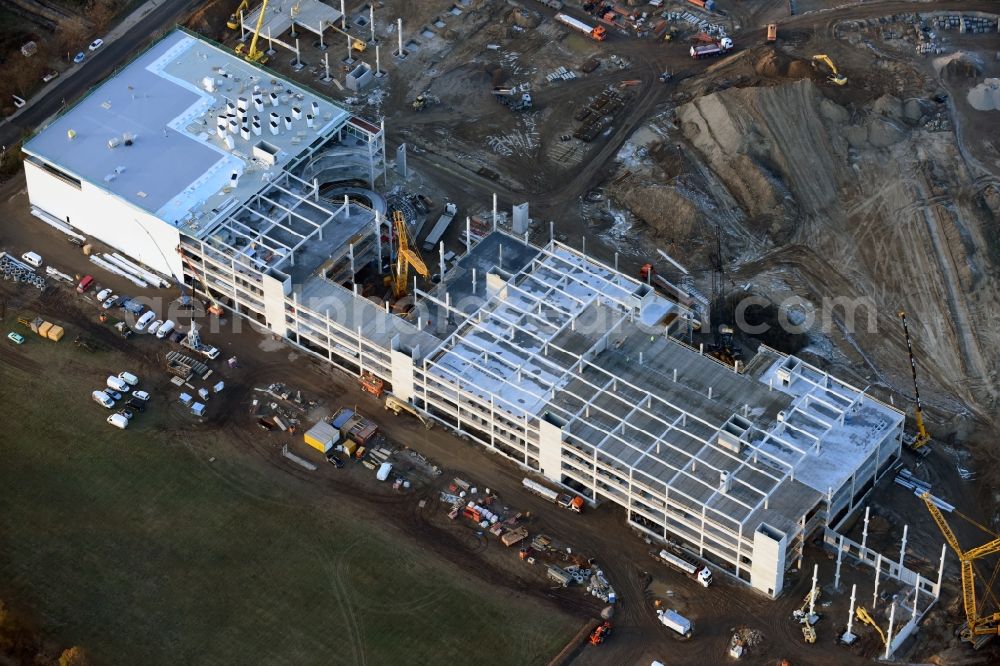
(959, 65)
(776, 64)
(985, 96)
(667, 213)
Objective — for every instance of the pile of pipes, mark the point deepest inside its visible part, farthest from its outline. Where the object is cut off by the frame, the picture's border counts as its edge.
(14, 270)
(119, 265)
(600, 587)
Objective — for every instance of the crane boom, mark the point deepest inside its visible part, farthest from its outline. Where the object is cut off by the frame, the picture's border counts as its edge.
(253, 55)
(866, 617)
(976, 625)
(406, 256)
(922, 437)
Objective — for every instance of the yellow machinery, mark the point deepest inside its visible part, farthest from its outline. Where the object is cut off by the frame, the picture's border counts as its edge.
(976, 625)
(836, 77)
(234, 19)
(865, 617)
(922, 438)
(252, 54)
(358, 45)
(405, 257)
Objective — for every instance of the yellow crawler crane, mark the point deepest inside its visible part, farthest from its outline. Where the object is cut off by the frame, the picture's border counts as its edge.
(922, 437)
(976, 625)
(252, 54)
(405, 257)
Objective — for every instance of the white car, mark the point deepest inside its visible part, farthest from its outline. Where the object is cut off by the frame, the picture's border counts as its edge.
(128, 378)
(103, 295)
(116, 384)
(155, 326)
(103, 399)
(109, 302)
(144, 321)
(141, 395)
(96, 44)
(32, 259)
(210, 352)
(118, 421)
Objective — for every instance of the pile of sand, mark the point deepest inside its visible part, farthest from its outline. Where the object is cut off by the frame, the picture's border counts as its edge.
(985, 96)
(777, 64)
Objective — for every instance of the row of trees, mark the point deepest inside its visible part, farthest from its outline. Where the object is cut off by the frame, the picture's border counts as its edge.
(20, 645)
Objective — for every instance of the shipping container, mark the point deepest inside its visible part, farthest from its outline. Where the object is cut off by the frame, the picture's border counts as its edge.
(43, 330)
(349, 447)
(56, 333)
(322, 437)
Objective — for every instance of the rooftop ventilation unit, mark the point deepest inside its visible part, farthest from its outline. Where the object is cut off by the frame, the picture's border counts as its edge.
(274, 99)
(274, 128)
(245, 132)
(208, 83)
(309, 121)
(255, 126)
(288, 123)
(315, 108)
(258, 102)
(128, 139)
(230, 108)
(114, 142)
(234, 179)
(230, 143)
(266, 152)
(233, 125)
(242, 104)
(296, 113)
(220, 129)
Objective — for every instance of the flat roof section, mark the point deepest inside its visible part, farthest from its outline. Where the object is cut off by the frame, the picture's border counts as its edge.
(150, 134)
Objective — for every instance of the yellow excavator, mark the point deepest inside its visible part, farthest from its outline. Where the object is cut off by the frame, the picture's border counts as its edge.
(406, 257)
(866, 617)
(835, 77)
(976, 625)
(922, 437)
(252, 54)
(234, 19)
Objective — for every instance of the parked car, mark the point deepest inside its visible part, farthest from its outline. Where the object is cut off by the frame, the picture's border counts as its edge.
(128, 378)
(103, 399)
(165, 329)
(141, 395)
(126, 413)
(118, 421)
(334, 460)
(109, 302)
(79, 57)
(16, 338)
(113, 394)
(210, 352)
(117, 384)
(32, 259)
(136, 404)
(85, 284)
(50, 76)
(155, 326)
(144, 321)
(96, 44)
(73, 240)
(103, 295)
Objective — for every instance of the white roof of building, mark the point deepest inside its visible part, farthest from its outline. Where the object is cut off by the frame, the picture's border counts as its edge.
(169, 101)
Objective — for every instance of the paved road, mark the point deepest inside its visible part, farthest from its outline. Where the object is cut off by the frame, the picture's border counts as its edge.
(96, 68)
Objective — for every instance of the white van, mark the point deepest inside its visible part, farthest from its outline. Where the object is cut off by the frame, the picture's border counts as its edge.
(144, 321)
(155, 326)
(32, 259)
(128, 378)
(116, 384)
(103, 399)
(118, 421)
(166, 328)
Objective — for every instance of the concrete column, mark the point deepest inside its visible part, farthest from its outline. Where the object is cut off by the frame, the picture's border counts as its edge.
(378, 240)
(378, 62)
(401, 161)
(321, 46)
(270, 44)
(468, 235)
(864, 534)
(343, 16)
(441, 254)
(878, 575)
(350, 57)
(940, 571)
(326, 66)
(371, 20)
(616, 261)
(350, 251)
(298, 53)
(494, 211)
(812, 593)
(473, 280)
(840, 556)
(399, 33)
(916, 597)
(902, 547)
(848, 636)
(888, 634)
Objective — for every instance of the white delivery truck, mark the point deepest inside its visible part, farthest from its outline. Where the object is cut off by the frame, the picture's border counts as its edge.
(677, 622)
(686, 565)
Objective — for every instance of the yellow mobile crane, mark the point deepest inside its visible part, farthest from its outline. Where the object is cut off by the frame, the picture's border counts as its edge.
(405, 257)
(922, 437)
(234, 19)
(252, 54)
(975, 624)
(835, 77)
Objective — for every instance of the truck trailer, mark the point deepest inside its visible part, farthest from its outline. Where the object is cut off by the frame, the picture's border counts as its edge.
(571, 502)
(676, 622)
(719, 47)
(686, 565)
(440, 227)
(595, 32)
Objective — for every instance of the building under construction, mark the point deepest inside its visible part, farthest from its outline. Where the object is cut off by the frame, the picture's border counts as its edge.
(265, 195)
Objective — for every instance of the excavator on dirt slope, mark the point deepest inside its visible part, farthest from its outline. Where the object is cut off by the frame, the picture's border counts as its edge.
(835, 77)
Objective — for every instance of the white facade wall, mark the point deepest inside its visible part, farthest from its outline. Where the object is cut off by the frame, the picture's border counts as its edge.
(106, 217)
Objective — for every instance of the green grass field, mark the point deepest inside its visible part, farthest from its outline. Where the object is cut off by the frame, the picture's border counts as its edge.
(134, 546)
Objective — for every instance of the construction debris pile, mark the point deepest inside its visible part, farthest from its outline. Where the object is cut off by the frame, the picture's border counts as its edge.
(284, 412)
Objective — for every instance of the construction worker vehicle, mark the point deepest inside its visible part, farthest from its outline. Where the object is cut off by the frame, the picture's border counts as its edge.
(236, 17)
(601, 633)
(716, 48)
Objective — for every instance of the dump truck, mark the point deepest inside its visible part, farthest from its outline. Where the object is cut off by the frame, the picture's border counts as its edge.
(676, 622)
(595, 32)
(571, 502)
(716, 48)
(513, 98)
(686, 565)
